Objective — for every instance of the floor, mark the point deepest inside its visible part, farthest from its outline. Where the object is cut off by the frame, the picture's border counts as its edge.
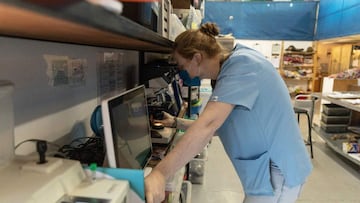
(333, 180)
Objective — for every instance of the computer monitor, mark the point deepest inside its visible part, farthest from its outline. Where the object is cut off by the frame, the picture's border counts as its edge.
(174, 96)
(176, 87)
(127, 129)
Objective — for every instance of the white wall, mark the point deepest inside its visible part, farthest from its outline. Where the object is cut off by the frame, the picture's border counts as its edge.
(49, 112)
(265, 46)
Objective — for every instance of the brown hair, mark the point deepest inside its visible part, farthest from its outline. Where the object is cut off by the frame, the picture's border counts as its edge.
(201, 40)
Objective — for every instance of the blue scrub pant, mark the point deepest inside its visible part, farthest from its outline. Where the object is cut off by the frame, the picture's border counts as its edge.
(282, 194)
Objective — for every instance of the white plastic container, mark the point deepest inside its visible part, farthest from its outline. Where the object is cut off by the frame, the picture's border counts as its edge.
(7, 151)
(197, 171)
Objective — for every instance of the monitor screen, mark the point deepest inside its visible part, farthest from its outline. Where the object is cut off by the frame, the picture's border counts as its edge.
(127, 129)
(175, 98)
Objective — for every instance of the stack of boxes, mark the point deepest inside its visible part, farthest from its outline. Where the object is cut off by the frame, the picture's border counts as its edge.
(335, 118)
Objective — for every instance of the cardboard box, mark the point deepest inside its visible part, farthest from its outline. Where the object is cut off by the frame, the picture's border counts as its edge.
(184, 4)
(343, 84)
(354, 87)
(333, 84)
(349, 147)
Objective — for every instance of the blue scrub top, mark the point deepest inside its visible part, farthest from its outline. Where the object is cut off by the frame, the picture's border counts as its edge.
(262, 127)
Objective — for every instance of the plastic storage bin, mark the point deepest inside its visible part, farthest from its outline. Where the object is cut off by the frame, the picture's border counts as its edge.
(334, 128)
(335, 119)
(197, 167)
(335, 110)
(6, 123)
(197, 171)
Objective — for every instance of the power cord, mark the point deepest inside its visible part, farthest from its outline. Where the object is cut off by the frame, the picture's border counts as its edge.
(35, 140)
(87, 150)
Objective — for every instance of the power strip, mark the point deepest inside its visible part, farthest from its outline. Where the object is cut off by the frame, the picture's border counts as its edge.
(48, 167)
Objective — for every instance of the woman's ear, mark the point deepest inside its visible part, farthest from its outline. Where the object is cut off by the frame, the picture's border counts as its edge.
(198, 57)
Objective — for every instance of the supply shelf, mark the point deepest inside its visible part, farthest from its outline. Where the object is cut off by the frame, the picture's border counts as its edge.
(337, 144)
(78, 22)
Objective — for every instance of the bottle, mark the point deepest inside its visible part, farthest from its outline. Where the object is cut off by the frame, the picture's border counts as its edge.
(93, 167)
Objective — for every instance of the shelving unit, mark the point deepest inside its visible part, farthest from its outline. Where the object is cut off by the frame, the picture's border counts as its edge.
(297, 70)
(77, 23)
(82, 23)
(336, 144)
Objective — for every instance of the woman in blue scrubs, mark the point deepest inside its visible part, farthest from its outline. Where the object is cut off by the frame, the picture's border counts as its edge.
(251, 111)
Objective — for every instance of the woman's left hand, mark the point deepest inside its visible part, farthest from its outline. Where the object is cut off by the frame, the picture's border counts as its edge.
(155, 187)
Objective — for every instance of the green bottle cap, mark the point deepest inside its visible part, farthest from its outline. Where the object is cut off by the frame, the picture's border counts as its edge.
(93, 166)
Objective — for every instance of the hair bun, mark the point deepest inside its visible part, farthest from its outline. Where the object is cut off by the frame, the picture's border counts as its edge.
(210, 29)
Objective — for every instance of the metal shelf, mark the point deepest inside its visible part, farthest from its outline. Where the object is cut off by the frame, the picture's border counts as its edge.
(79, 23)
(299, 65)
(336, 145)
(298, 53)
(342, 103)
(300, 79)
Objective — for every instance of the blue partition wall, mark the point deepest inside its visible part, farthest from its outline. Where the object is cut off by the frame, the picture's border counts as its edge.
(338, 18)
(264, 20)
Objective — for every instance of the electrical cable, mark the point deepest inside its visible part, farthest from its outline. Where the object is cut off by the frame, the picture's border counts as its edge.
(87, 150)
(35, 140)
(91, 150)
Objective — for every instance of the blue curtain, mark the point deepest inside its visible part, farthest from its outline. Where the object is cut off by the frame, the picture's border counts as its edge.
(264, 20)
(338, 18)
